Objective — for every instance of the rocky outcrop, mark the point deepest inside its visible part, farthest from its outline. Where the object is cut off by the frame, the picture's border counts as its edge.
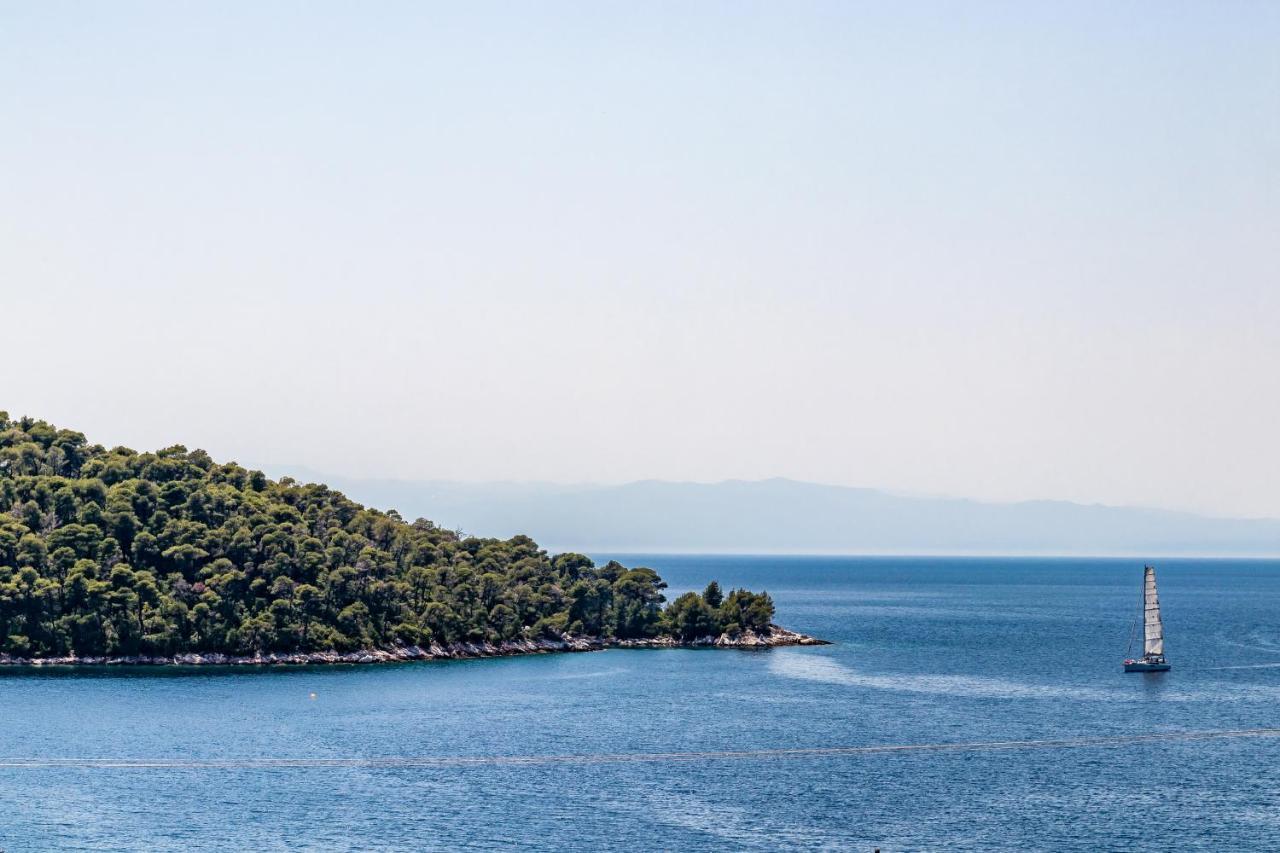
(775, 636)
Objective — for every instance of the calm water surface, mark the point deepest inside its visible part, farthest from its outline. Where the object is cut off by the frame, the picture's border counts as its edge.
(926, 650)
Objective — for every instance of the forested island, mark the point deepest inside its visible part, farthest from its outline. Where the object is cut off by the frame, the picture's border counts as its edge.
(109, 555)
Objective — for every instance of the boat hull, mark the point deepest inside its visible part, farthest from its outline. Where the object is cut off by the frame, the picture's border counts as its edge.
(1142, 666)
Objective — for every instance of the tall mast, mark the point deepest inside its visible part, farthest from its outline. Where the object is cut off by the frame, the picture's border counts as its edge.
(1153, 628)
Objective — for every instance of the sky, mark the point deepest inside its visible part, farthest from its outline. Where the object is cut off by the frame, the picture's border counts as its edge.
(994, 250)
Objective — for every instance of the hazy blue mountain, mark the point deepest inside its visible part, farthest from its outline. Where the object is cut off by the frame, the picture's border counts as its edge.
(786, 516)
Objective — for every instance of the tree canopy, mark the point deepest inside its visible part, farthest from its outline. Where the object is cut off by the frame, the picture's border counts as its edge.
(114, 552)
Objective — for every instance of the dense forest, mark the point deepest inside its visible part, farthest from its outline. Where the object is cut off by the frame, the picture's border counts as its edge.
(113, 552)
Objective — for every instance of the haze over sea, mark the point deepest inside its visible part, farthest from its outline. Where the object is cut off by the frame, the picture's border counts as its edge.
(926, 650)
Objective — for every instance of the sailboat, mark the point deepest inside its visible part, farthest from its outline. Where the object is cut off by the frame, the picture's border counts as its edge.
(1152, 659)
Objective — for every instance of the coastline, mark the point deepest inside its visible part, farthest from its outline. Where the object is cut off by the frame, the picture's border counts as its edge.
(747, 640)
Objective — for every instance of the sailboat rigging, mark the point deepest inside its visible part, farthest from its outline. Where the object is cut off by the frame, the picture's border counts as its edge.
(1153, 659)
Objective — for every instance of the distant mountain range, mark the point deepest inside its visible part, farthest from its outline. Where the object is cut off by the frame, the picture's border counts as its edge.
(786, 516)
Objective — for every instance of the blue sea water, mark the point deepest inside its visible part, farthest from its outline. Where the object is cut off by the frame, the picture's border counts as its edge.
(926, 650)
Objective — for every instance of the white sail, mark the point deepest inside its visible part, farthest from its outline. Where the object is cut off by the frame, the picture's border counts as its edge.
(1153, 628)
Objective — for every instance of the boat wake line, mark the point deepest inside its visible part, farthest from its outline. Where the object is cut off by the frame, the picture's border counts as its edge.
(394, 762)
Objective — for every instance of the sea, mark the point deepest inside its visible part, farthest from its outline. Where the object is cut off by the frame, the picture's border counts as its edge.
(963, 704)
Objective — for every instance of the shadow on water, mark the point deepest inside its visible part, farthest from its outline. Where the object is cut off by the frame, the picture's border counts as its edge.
(1155, 685)
(168, 671)
(179, 671)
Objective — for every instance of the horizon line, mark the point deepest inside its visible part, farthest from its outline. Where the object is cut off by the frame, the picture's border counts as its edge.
(907, 555)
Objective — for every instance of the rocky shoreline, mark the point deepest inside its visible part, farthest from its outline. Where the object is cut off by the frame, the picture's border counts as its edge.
(747, 640)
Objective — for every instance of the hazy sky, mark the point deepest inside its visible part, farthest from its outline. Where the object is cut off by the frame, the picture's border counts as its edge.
(1001, 250)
